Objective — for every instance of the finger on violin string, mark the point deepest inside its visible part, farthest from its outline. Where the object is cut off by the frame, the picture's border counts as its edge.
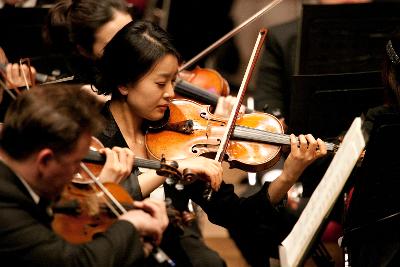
(322, 149)
(113, 170)
(125, 157)
(312, 143)
(298, 143)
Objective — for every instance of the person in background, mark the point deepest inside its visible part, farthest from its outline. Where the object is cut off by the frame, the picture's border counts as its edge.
(372, 235)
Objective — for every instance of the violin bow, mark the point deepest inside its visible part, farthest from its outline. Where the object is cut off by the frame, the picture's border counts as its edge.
(239, 99)
(229, 35)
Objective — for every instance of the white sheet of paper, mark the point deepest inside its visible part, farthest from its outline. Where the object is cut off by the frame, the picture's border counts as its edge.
(323, 198)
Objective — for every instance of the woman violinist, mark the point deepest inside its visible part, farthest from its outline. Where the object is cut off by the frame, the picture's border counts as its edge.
(47, 132)
(138, 69)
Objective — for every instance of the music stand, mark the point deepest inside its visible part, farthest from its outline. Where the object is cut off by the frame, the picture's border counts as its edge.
(345, 38)
(326, 104)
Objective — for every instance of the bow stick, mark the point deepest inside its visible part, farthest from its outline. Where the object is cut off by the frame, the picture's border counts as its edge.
(239, 99)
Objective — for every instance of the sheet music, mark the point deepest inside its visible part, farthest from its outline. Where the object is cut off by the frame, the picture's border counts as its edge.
(297, 242)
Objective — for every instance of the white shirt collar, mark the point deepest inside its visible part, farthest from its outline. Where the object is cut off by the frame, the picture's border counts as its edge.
(34, 196)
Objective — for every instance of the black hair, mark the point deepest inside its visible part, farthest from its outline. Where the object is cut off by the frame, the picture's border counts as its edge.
(131, 54)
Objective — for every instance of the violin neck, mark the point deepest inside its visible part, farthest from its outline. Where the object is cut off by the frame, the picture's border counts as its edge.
(97, 158)
(147, 163)
(191, 91)
(256, 135)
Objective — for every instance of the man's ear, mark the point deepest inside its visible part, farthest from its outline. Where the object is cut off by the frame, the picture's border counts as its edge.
(44, 156)
(123, 90)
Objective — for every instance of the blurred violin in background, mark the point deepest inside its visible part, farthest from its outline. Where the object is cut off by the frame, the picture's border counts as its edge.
(207, 79)
(203, 85)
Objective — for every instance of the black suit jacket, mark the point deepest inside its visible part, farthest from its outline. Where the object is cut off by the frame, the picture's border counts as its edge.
(27, 239)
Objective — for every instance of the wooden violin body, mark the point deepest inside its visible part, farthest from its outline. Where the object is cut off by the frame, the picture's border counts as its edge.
(84, 211)
(192, 131)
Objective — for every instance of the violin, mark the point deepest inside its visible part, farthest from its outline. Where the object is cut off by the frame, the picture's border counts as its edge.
(86, 209)
(192, 130)
(83, 211)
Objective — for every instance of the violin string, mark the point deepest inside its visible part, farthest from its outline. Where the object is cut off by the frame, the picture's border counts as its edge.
(274, 137)
(258, 134)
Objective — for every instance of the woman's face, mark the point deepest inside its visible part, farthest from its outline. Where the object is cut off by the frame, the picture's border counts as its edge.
(149, 98)
(106, 32)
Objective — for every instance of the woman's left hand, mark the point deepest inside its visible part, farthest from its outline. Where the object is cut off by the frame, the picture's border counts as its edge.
(118, 165)
(304, 151)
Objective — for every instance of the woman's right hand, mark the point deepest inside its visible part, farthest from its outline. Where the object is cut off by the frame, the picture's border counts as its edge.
(206, 169)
